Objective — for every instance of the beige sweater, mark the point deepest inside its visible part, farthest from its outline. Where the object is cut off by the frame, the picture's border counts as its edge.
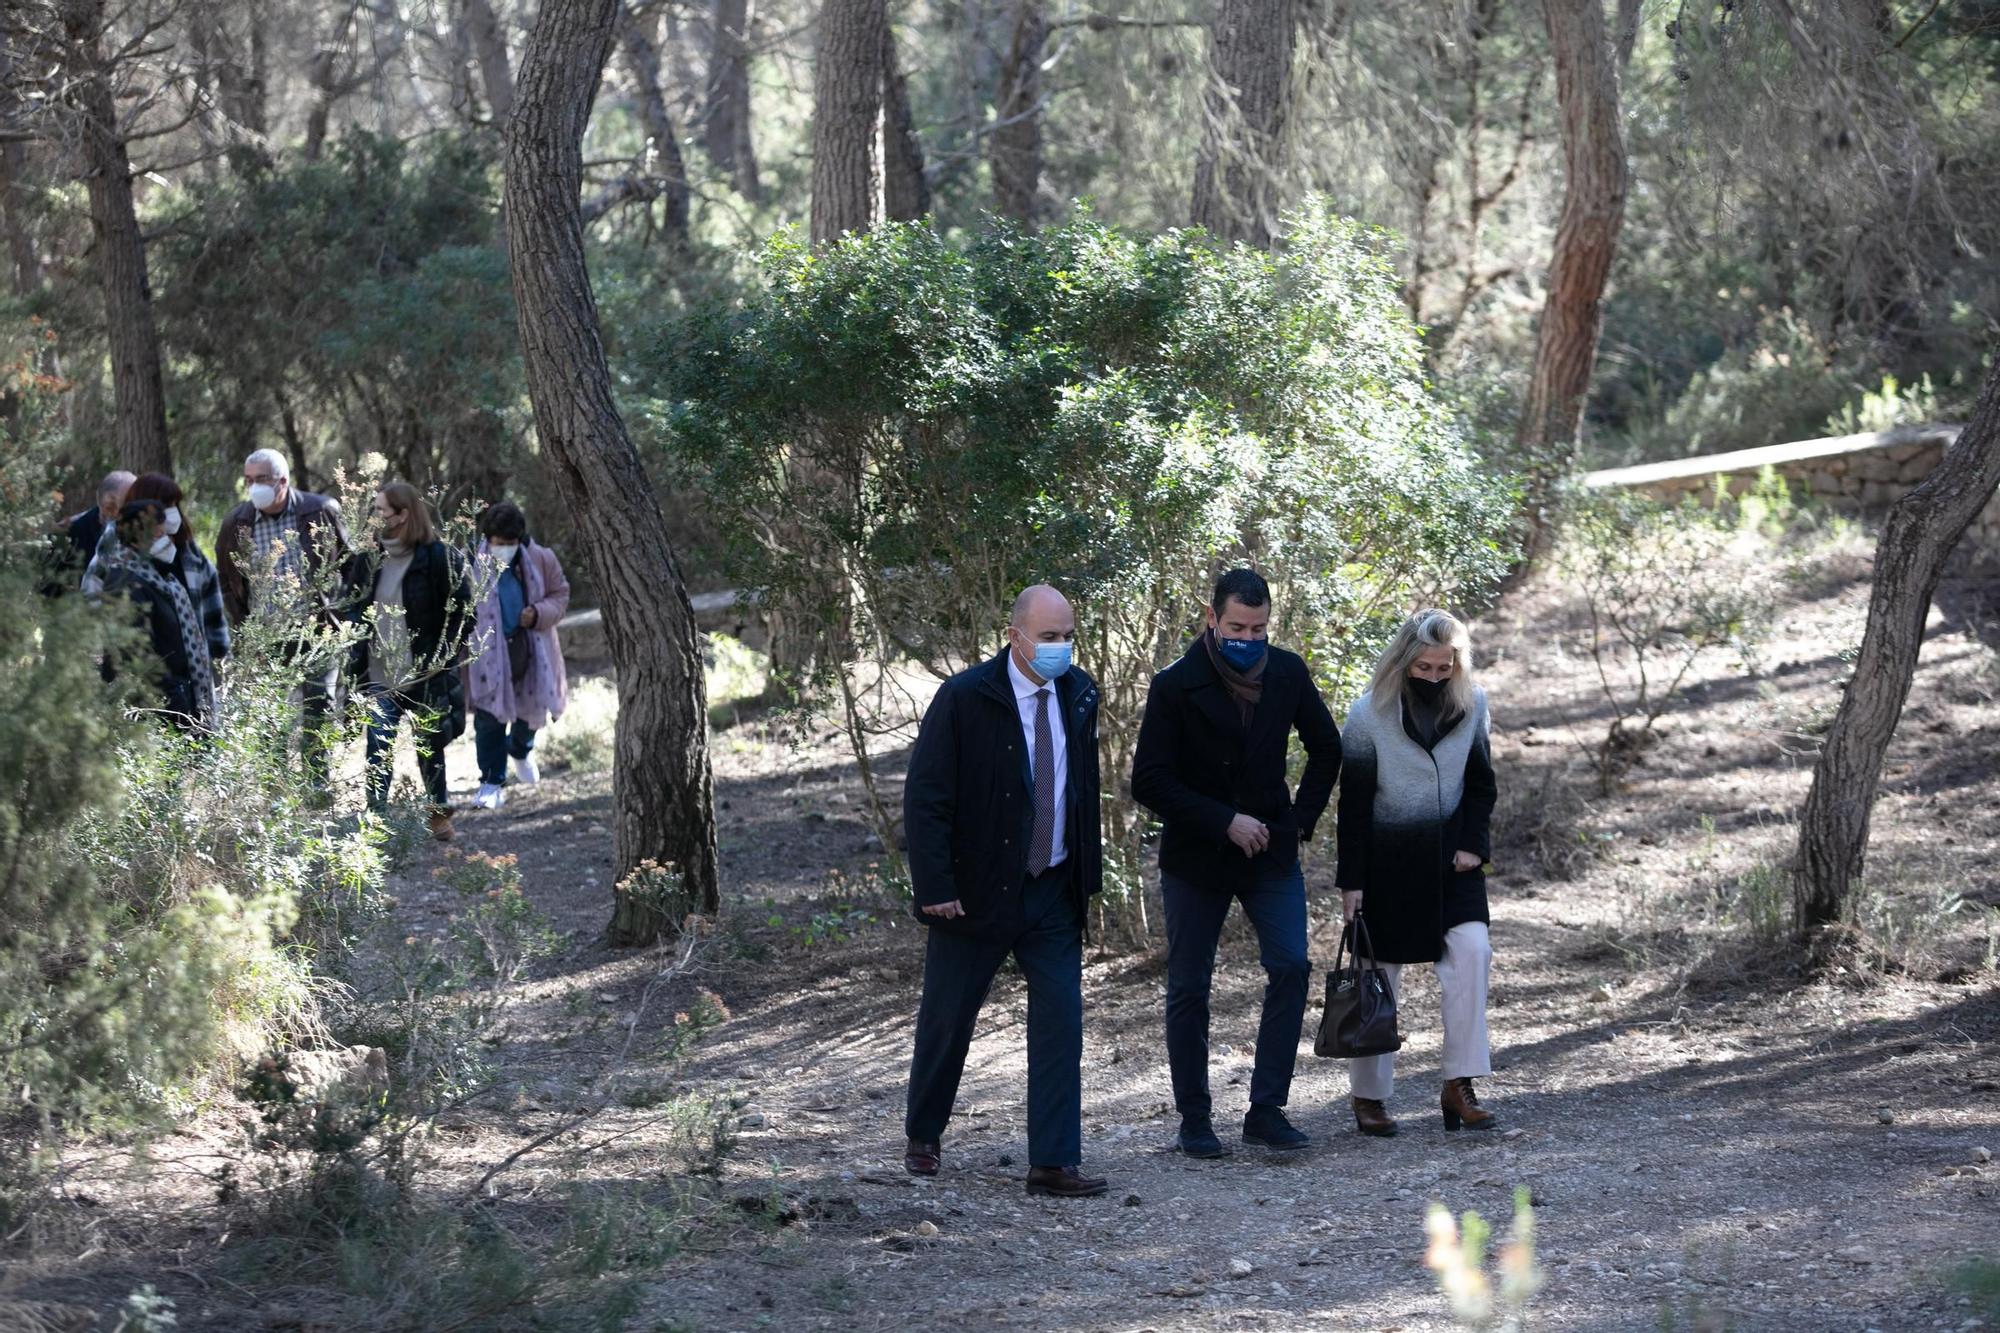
(389, 662)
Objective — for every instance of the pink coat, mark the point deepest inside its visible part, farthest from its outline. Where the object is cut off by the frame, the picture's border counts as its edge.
(544, 690)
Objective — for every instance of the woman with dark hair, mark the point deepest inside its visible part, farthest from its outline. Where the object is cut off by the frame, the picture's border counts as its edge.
(516, 684)
(1416, 808)
(135, 565)
(411, 591)
(187, 563)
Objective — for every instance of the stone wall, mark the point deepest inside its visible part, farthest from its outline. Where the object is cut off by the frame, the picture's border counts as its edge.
(1853, 473)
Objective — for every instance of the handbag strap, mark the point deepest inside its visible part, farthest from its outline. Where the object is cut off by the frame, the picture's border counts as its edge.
(1364, 943)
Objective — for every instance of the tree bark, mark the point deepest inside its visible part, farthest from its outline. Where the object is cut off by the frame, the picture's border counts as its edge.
(121, 250)
(1595, 180)
(1014, 151)
(847, 118)
(489, 48)
(642, 61)
(728, 114)
(1917, 539)
(662, 791)
(1237, 192)
(1628, 32)
(906, 195)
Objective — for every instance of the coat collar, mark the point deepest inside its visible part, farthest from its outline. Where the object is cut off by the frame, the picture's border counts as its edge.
(1205, 688)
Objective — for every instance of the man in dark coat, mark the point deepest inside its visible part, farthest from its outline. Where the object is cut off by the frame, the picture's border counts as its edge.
(85, 530)
(1211, 764)
(1001, 819)
(297, 546)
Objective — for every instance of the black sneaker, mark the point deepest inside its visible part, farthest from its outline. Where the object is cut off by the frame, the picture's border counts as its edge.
(1266, 1127)
(1197, 1138)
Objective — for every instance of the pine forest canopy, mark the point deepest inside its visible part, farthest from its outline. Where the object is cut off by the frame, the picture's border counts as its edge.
(315, 188)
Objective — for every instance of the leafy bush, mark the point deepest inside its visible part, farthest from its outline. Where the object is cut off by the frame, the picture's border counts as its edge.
(353, 303)
(902, 430)
(147, 898)
(1781, 384)
(179, 904)
(585, 737)
(1888, 407)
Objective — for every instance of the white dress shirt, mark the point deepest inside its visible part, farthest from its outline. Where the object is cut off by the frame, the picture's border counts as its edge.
(1024, 698)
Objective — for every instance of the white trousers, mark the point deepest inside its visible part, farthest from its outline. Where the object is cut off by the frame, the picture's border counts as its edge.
(1462, 975)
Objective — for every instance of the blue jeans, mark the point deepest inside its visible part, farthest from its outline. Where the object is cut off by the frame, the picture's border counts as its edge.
(1275, 902)
(493, 740)
(958, 973)
(386, 710)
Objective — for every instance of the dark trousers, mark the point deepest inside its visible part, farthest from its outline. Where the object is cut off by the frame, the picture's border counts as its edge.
(386, 709)
(495, 741)
(958, 973)
(1275, 902)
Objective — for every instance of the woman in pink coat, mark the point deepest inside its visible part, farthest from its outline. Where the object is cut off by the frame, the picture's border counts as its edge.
(516, 685)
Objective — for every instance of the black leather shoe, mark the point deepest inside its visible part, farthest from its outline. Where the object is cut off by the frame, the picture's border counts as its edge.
(1064, 1182)
(1266, 1127)
(921, 1158)
(1197, 1138)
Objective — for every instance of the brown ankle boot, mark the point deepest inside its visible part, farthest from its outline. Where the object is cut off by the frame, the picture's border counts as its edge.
(1371, 1117)
(1461, 1106)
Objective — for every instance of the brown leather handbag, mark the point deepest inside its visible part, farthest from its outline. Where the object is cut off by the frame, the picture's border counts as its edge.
(1360, 1015)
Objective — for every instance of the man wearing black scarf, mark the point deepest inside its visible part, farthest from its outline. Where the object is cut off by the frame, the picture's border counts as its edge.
(1211, 764)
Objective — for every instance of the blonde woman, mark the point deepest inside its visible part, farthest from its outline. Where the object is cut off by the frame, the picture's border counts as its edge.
(1416, 805)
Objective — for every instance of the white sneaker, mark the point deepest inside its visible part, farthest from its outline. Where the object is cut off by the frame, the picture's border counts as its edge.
(525, 770)
(489, 796)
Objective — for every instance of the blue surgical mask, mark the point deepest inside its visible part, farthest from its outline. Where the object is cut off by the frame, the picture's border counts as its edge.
(1051, 660)
(1243, 654)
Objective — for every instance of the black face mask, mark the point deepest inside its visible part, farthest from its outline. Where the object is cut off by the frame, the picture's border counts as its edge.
(1429, 692)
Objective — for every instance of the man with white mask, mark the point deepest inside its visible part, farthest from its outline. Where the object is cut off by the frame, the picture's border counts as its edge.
(281, 552)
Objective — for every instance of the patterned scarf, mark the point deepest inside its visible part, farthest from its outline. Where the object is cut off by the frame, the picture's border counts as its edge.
(141, 568)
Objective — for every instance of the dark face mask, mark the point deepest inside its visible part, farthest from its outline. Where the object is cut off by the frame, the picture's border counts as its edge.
(1429, 692)
(1242, 654)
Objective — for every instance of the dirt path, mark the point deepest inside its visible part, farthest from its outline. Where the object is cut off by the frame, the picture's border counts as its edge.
(1712, 1142)
(1705, 1157)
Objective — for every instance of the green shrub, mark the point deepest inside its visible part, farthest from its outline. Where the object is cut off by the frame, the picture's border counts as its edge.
(900, 431)
(585, 737)
(176, 904)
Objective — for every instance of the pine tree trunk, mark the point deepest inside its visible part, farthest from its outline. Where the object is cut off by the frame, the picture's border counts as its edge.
(1586, 242)
(847, 118)
(120, 248)
(728, 133)
(662, 792)
(906, 195)
(642, 60)
(489, 48)
(1237, 178)
(1015, 149)
(1917, 539)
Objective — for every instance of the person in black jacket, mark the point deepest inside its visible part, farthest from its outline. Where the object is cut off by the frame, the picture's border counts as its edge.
(415, 597)
(135, 565)
(75, 542)
(1000, 812)
(1211, 764)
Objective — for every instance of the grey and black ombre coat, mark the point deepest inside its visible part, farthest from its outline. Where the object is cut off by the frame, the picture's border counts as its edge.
(1404, 810)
